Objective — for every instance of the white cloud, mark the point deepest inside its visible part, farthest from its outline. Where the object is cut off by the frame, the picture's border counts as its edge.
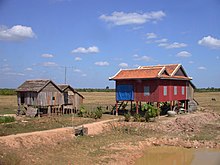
(84, 75)
(6, 68)
(16, 33)
(135, 55)
(183, 54)
(161, 40)
(102, 63)
(191, 62)
(82, 50)
(78, 59)
(142, 58)
(15, 74)
(173, 45)
(28, 69)
(121, 18)
(77, 70)
(210, 42)
(217, 57)
(151, 35)
(123, 65)
(47, 55)
(202, 68)
(49, 64)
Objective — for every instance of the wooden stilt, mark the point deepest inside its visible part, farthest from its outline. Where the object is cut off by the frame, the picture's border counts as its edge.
(158, 106)
(131, 106)
(136, 107)
(49, 110)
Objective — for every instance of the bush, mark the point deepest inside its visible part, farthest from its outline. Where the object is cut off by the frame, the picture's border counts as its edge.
(151, 112)
(137, 117)
(81, 112)
(127, 117)
(7, 119)
(98, 113)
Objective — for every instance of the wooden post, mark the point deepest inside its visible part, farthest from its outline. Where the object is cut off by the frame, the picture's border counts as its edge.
(136, 107)
(116, 107)
(49, 110)
(131, 106)
(171, 104)
(158, 106)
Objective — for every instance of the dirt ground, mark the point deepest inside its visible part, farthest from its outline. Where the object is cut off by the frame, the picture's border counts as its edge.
(116, 142)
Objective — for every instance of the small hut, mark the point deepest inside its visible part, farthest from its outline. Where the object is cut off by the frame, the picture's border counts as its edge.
(72, 99)
(46, 97)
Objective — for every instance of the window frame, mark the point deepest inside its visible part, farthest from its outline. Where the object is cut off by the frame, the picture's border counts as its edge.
(165, 91)
(183, 90)
(175, 91)
(146, 90)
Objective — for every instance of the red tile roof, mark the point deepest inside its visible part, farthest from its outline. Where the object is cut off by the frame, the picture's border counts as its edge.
(148, 72)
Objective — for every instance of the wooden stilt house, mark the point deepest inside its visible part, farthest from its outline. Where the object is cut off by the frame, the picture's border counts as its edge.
(161, 83)
(46, 97)
(72, 99)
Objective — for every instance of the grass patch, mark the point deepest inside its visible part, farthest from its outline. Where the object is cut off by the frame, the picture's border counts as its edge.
(7, 119)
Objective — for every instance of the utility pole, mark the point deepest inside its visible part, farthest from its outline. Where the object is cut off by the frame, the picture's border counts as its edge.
(65, 76)
(65, 73)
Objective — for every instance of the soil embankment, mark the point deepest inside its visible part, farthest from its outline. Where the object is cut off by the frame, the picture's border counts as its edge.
(178, 131)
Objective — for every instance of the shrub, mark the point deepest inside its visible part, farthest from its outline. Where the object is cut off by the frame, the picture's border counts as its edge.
(127, 117)
(81, 112)
(137, 117)
(98, 113)
(151, 112)
(7, 119)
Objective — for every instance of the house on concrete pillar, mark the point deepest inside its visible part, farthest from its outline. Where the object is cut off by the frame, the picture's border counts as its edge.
(160, 83)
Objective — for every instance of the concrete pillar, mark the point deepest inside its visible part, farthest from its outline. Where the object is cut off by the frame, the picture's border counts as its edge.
(136, 107)
(116, 108)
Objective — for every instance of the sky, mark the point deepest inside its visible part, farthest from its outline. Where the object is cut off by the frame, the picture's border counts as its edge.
(94, 39)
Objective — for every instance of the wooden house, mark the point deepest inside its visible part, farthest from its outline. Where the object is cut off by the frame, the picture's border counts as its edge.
(161, 83)
(45, 96)
(72, 99)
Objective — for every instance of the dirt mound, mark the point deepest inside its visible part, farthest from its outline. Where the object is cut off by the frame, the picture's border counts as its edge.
(188, 123)
(30, 140)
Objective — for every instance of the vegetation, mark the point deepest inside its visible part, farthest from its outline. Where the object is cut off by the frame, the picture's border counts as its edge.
(97, 114)
(107, 89)
(127, 116)
(7, 119)
(209, 89)
(7, 91)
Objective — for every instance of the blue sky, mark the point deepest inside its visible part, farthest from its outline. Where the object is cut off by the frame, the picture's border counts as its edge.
(96, 38)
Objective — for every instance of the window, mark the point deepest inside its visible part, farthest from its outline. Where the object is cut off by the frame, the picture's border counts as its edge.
(146, 91)
(175, 90)
(183, 90)
(165, 90)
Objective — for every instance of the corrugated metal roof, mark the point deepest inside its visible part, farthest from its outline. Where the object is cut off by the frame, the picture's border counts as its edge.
(32, 85)
(147, 72)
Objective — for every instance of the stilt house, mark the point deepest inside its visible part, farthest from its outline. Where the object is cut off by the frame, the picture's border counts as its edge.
(47, 97)
(71, 97)
(161, 83)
